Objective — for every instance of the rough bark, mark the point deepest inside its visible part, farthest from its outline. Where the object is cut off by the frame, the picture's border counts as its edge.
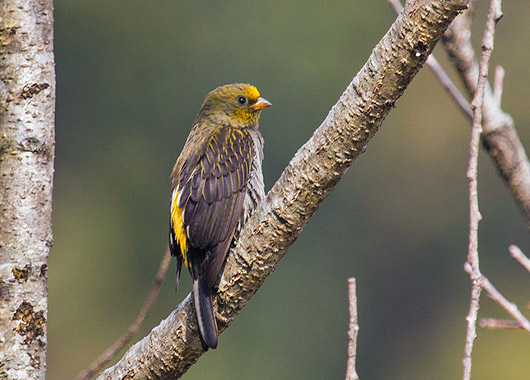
(27, 99)
(499, 136)
(173, 346)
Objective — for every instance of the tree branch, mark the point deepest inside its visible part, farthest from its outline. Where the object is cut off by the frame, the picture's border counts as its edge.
(27, 101)
(351, 373)
(440, 73)
(499, 137)
(510, 307)
(520, 320)
(173, 346)
(492, 323)
(518, 255)
(498, 84)
(472, 265)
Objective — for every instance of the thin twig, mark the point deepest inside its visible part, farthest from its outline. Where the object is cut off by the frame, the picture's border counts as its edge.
(134, 327)
(492, 323)
(449, 85)
(510, 307)
(498, 84)
(472, 266)
(520, 320)
(471, 319)
(351, 373)
(440, 73)
(518, 255)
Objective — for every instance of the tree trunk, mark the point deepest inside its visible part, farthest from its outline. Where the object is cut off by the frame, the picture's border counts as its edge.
(27, 96)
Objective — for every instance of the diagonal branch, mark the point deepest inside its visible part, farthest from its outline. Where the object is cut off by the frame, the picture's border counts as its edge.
(520, 321)
(510, 307)
(173, 346)
(518, 255)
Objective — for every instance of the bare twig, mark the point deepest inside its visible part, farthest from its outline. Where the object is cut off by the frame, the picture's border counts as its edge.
(351, 373)
(472, 265)
(440, 73)
(492, 323)
(471, 323)
(520, 320)
(518, 255)
(449, 85)
(510, 307)
(498, 83)
(110, 352)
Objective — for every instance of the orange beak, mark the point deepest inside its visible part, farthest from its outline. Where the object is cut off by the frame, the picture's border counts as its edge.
(261, 104)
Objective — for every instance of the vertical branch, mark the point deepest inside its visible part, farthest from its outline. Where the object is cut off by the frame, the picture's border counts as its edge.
(351, 373)
(471, 319)
(472, 264)
(27, 99)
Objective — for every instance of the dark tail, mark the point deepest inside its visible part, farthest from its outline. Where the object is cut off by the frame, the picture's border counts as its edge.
(202, 295)
(179, 267)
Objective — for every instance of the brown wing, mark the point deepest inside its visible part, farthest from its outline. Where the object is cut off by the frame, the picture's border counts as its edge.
(212, 194)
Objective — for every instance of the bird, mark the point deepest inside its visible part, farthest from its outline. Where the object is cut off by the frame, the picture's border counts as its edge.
(216, 183)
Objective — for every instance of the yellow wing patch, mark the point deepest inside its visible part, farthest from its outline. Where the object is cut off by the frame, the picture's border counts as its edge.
(178, 228)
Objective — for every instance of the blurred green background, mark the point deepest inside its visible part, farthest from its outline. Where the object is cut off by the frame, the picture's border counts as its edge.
(131, 76)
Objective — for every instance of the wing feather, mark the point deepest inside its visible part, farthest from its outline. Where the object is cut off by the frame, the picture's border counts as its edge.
(220, 251)
(213, 190)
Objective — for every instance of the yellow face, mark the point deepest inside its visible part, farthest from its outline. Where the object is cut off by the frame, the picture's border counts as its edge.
(237, 104)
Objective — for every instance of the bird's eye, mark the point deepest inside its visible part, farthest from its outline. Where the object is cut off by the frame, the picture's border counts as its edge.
(241, 99)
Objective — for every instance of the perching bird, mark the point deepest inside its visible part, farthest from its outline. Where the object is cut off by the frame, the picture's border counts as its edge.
(216, 184)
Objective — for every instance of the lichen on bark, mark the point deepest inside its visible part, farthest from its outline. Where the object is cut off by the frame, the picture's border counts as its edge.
(27, 101)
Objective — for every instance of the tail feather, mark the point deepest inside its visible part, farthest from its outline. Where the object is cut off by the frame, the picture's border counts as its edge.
(179, 267)
(202, 294)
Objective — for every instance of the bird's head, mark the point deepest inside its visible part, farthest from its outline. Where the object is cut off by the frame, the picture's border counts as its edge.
(238, 105)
